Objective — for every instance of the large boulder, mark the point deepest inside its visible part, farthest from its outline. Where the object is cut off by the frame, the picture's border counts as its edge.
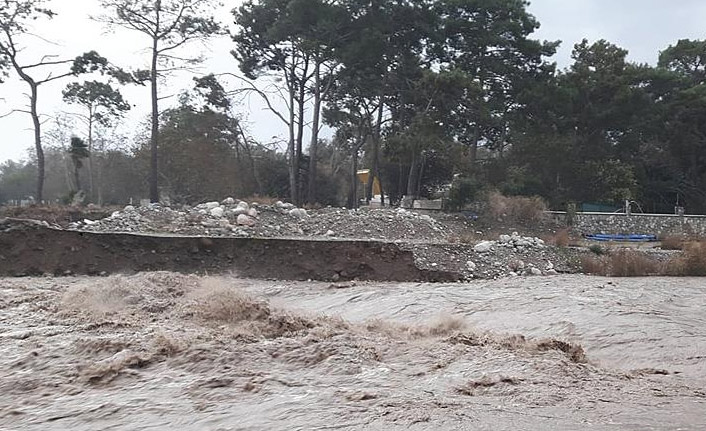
(484, 247)
(217, 212)
(299, 213)
(244, 220)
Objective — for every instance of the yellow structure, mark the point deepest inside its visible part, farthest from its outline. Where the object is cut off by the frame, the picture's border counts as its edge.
(364, 177)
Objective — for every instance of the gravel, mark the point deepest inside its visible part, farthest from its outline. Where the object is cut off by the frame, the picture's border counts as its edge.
(433, 239)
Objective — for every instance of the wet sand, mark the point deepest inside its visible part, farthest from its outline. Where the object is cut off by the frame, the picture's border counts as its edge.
(164, 351)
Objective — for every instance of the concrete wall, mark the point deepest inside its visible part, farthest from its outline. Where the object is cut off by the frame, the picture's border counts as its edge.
(658, 224)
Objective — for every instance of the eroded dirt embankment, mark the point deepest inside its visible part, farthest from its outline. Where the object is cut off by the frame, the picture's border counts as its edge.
(31, 248)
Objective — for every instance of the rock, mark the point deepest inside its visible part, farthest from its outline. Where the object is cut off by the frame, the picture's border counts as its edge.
(217, 212)
(471, 265)
(330, 233)
(211, 205)
(243, 205)
(129, 208)
(228, 201)
(550, 266)
(552, 272)
(239, 211)
(252, 212)
(244, 220)
(504, 239)
(299, 213)
(535, 271)
(518, 265)
(483, 247)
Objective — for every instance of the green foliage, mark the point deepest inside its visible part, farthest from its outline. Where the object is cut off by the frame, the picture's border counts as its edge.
(78, 150)
(464, 191)
(103, 102)
(16, 180)
(597, 250)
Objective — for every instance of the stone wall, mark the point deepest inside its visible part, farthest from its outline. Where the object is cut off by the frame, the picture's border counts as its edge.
(657, 224)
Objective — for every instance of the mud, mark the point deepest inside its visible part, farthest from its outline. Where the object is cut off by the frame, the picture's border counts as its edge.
(30, 248)
(163, 350)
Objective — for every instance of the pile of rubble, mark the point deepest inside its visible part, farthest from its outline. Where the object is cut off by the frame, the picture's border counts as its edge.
(233, 217)
(433, 240)
(510, 255)
(514, 242)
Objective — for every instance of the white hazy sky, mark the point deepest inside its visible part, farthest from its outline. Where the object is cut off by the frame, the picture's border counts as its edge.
(644, 27)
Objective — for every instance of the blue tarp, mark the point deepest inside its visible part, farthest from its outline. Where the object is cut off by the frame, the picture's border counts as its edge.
(626, 238)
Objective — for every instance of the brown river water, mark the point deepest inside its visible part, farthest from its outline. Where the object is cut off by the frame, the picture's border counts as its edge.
(165, 351)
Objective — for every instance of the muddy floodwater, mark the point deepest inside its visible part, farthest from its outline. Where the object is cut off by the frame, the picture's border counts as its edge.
(165, 351)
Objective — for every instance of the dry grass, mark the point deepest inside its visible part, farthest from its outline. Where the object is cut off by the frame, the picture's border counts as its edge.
(560, 239)
(672, 242)
(630, 263)
(595, 265)
(516, 208)
(621, 263)
(691, 263)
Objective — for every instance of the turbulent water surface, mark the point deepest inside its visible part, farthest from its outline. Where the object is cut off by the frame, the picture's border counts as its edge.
(166, 351)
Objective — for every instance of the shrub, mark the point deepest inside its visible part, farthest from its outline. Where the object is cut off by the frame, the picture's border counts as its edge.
(516, 208)
(594, 265)
(672, 242)
(561, 238)
(620, 263)
(597, 249)
(463, 191)
(630, 263)
(692, 262)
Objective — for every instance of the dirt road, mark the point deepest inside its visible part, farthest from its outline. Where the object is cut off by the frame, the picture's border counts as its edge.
(160, 350)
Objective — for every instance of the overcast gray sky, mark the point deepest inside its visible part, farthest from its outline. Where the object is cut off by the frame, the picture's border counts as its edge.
(644, 27)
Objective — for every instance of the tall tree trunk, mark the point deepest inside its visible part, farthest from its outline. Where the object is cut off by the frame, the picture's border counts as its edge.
(400, 181)
(301, 106)
(375, 171)
(90, 152)
(473, 153)
(313, 147)
(154, 139)
(77, 177)
(420, 176)
(291, 148)
(67, 170)
(37, 141)
(353, 197)
(412, 177)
